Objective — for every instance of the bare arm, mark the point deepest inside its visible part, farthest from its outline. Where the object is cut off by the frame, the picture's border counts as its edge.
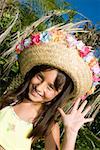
(73, 122)
(53, 138)
(69, 140)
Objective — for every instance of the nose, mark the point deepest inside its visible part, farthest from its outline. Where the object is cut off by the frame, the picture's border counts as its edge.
(41, 88)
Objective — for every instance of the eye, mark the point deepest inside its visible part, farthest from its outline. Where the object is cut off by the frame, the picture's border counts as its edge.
(39, 76)
(51, 87)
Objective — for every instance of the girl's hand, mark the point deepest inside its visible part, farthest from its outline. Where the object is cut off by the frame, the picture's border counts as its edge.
(75, 120)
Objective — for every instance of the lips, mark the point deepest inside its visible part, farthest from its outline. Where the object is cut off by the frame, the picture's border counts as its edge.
(34, 93)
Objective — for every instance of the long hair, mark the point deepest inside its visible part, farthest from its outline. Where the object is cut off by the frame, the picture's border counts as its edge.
(47, 116)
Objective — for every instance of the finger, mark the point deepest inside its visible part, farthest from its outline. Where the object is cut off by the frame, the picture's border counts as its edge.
(61, 112)
(88, 120)
(86, 111)
(76, 105)
(81, 108)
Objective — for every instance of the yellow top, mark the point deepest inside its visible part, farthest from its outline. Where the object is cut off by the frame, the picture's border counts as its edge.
(14, 131)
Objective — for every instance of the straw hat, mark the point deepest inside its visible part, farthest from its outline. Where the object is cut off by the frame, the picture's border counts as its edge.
(57, 53)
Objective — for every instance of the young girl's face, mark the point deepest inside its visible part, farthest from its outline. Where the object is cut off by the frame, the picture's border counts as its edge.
(41, 88)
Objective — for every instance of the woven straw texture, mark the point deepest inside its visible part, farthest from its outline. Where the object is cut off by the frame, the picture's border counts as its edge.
(58, 55)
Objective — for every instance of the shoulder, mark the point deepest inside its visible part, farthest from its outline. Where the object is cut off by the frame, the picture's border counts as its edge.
(4, 110)
(52, 138)
(53, 128)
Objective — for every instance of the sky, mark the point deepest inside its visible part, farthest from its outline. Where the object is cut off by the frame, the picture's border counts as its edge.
(89, 8)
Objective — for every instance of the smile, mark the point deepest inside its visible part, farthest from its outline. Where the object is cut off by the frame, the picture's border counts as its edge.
(34, 92)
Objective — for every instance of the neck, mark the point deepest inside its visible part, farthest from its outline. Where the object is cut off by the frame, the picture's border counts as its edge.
(31, 104)
(28, 110)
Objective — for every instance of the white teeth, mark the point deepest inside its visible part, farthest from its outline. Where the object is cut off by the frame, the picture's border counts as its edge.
(33, 90)
(36, 92)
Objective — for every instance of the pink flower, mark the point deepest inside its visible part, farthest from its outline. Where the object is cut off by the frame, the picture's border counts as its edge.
(35, 39)
(96, 78)
(83, 97)
(85, 50)
(96, 69)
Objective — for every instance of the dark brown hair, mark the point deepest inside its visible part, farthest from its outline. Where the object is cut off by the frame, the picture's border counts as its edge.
(44, 119)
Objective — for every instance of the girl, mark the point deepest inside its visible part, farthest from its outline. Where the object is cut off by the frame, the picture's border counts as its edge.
(53, 72)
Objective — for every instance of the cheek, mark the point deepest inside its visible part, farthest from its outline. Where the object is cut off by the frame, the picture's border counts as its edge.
(51, 94)
(35, 81)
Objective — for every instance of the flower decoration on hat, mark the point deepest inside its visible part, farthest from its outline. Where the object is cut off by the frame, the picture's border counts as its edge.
(85, 52)
(88, 56)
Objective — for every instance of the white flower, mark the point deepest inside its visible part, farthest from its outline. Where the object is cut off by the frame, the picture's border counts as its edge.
(27, 42)
(71, 40)
(89, 57)
(80, 45)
